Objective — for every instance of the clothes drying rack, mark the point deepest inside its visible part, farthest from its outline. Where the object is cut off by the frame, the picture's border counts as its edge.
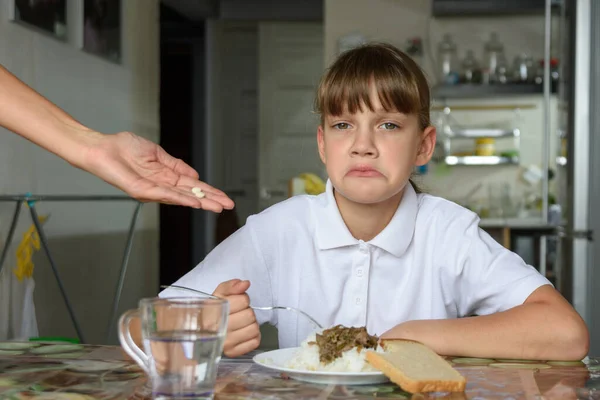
(30, 200)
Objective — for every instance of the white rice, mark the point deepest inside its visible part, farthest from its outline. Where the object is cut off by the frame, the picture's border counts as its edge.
(307, 358)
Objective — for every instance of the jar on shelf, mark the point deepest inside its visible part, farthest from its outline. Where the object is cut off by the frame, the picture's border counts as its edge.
(485, 147)
(471, 72)
(554, 73)
(494, 51)
(554, 70)
(414, 48)
(502, 70)
(539, 73)
(448, 68)
(523, 68)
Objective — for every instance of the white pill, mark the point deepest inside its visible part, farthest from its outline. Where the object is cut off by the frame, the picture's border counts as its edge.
(198, 192)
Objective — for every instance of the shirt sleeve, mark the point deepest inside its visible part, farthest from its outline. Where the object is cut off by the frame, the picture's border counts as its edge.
(237, 257)
(492, 278)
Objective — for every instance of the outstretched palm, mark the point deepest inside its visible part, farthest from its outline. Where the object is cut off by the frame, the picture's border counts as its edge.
(143, 170)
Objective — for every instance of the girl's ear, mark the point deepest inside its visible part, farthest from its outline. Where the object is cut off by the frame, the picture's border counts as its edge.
(321, 143)
(426, 146)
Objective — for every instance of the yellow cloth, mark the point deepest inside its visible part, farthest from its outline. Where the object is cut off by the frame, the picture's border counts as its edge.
(312, 183)
(29, 243)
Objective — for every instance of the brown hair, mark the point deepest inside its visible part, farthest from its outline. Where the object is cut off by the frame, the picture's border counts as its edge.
(399, 82)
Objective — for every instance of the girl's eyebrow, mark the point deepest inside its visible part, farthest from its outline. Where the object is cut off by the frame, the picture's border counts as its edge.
(390, 113)
(380, 112)
(343, 115)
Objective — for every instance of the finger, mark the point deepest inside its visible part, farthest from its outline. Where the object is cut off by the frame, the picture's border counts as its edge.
(209, 198)
(177, 196)
(238, 302)
(154, 193)
(212, 205)
(223, 287)
(185, 170)
(217, 201)
(241, 319)
(176, 164)
(242, 335)
(150, 191)
(231, 287)
(237, 338)
(243, 348)
(170, 178)
(194, 182)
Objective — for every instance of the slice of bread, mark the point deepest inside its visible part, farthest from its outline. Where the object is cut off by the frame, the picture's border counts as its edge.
(415, 367)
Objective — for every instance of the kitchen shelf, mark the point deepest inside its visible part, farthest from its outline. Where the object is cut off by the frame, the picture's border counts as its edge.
(452, 130)
(474, 133)
(471, 90)
(516, 223)
(447, 8)
(481, 160)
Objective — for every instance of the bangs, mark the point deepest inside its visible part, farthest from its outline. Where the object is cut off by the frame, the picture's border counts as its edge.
(395, 77)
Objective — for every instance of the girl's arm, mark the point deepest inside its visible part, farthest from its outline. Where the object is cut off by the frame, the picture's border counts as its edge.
(544, 327)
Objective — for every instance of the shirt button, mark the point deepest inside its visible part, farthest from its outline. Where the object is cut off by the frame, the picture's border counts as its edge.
(357, 300)
(359, 272)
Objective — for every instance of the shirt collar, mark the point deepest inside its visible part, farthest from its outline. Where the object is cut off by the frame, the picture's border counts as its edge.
(395, 238)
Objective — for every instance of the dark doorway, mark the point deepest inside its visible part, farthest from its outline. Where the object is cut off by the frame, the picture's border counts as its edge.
(176, 127)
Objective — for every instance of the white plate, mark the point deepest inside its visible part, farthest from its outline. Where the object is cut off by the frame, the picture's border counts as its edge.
(17, 345)
(56, 348)
(276, 360)
(93, 366)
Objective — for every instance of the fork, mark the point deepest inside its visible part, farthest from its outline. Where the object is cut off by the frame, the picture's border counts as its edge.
(252, 307)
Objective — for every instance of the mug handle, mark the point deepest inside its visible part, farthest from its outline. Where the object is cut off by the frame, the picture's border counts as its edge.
(127, 341)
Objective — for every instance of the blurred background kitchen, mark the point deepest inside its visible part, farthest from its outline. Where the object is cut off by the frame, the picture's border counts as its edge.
(228, 86)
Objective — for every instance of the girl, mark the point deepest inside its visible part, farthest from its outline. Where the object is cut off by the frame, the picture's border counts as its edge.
(372, 251)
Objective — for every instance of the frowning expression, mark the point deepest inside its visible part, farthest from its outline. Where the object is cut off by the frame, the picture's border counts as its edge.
(370, 154)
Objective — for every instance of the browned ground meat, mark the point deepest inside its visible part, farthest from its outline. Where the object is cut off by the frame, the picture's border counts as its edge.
(334, 341)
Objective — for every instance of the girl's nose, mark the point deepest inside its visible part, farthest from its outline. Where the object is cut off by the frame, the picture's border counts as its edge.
(364, 145)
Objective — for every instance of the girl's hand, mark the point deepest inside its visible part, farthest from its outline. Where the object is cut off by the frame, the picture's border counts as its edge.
(411, 330)
(243, 332)
(428, 332)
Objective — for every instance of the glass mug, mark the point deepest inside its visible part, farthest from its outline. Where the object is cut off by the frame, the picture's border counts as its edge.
(183, 340)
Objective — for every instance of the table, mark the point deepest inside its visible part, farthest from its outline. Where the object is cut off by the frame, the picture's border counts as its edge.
(86, 372)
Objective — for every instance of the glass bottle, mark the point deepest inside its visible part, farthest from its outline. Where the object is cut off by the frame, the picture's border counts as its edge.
(502, 70)
(494, 52)
(448, 71)
(471, 72)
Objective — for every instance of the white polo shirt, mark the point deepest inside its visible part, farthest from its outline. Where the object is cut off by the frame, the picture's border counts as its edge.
(432, 261)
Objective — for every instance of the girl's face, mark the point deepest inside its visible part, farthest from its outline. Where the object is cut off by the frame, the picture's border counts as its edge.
(370, 155)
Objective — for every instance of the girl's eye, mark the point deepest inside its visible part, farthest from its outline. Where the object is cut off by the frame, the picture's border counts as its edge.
(389, 126)
(342, 126)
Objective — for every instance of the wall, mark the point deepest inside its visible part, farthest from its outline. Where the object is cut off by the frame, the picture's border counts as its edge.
(396, 21)
(233, 110)
(88, 238)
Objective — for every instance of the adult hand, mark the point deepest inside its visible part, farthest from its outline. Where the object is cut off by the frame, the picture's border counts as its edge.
(243, 332)
(145, 171)
(137, 166)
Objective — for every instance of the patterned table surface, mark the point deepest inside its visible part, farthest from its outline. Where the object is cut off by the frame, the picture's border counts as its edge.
(74, 372)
